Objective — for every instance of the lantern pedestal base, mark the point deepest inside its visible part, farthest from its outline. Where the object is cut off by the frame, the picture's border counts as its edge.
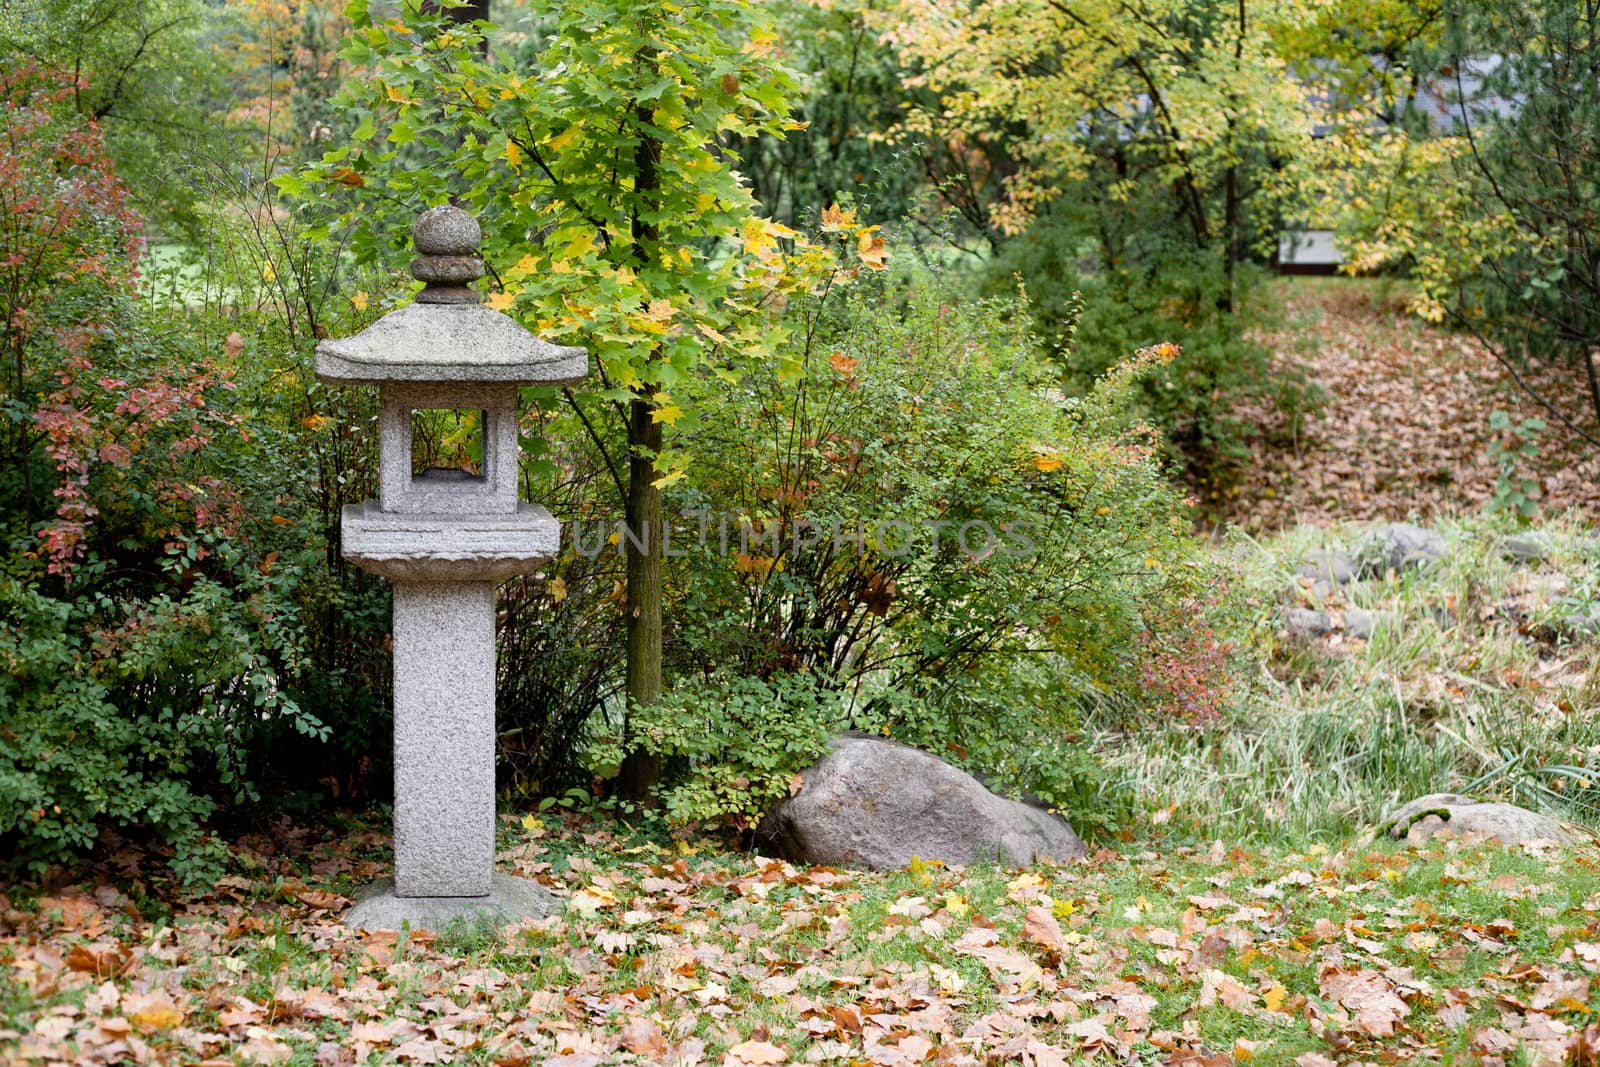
(510, 900)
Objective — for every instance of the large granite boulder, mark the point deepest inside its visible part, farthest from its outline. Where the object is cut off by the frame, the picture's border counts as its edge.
(1508, 824)
(874, 804)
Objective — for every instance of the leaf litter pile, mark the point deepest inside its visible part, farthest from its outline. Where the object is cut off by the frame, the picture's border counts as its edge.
(1402, 426)
(678, 952)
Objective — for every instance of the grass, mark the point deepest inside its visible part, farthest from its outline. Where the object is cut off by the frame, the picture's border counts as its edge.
(1474, 689)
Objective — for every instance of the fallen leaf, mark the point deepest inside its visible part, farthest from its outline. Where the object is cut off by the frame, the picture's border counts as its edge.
(758, 1052)
(152, 1011)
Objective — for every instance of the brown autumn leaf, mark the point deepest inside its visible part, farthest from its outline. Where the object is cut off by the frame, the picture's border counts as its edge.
(104, 959)
(1039, 925)
(244, 1012)
(1219, 988)
(1371, 998)
(77, 911)
(643, 1037)
(760, 1053)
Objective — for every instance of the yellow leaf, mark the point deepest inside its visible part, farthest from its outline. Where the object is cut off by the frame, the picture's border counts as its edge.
(557, 588)
(532, 822)
(153, 1011)
(501, 301)
(667, 413)
(1273, 997)
(560, 141)
(396, 95)
(359, 301)
(513, 155)
(1044, 461)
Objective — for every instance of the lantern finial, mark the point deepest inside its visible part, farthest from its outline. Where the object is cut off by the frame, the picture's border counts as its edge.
(446, 239)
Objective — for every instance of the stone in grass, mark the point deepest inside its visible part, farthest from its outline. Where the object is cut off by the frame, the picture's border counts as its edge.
(1328, 565)
(1358, 622)
(1400, 547)
(1507, 824)
(1361, 623)
(1526, 548)
(873, 804)
(1304, 622)
(1580, 627)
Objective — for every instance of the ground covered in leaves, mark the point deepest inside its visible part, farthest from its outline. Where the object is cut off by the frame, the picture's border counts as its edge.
(683, 952)
(1403, 423)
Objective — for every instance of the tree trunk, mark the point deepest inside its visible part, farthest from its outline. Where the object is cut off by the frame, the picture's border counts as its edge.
(641, 770)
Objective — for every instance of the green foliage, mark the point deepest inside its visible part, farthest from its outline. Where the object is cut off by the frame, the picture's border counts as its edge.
(734, 740)
(1536, 170)
(919, 534)
(129, 712)
(556, 169)
(1091, 313)
(165, 624)
(1515, 489)
(152, 76)
(851, 90)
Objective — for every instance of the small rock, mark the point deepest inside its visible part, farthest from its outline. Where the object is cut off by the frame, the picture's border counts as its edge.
(873, 804)
(1507, 824)
(1400, 546)
(1329, 566)
(1304, 622)
(1525, 548)
(1579, 627)
(1361, 623)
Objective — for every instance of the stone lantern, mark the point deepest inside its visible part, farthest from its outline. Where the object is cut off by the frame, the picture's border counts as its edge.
(446, 538)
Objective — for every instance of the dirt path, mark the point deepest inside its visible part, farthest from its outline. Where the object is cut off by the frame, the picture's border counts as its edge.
(1404, 426)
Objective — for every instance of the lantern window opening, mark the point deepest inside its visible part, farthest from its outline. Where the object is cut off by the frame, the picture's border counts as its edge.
(447, 444)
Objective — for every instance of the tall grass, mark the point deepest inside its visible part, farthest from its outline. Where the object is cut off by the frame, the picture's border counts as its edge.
(1470, 688)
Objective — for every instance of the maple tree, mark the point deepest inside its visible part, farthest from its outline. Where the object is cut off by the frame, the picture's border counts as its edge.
(1185, 101)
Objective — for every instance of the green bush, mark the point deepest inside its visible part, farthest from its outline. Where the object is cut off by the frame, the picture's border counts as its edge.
(813, 595)
(174, 628)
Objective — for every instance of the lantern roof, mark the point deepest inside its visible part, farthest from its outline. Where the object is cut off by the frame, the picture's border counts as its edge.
(446, 335)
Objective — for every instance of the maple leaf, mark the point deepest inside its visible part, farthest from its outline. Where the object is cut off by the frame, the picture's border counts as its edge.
(501, 301)
(1219, 988)
(643, 1037)
(835, 219)
(104, 959)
